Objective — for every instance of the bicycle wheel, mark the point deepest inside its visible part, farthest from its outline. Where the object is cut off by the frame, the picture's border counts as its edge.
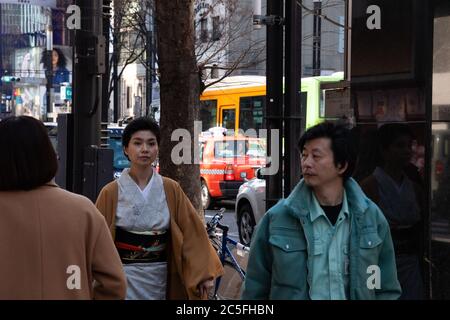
(230, 284)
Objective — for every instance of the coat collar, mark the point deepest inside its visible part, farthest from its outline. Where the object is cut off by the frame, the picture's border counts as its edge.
(299, 201)
(51, 183)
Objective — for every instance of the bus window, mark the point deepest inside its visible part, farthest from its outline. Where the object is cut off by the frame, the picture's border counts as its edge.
(251, 112)
(208, 112)
(303, 102)
(228, 118)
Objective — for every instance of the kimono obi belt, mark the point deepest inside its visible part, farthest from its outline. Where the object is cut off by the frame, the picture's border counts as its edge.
(141, 247)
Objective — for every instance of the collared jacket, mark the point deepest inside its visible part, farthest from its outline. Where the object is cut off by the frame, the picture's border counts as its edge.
(54, 244)
(280, 260)
(191, 257)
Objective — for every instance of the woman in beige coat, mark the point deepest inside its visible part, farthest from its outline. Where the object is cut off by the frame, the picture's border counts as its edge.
(53, 244)
(161, 240)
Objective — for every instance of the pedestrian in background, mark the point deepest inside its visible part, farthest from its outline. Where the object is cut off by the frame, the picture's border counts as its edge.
(327, 240)
(395, 187)
(53, 244)
(161, 240)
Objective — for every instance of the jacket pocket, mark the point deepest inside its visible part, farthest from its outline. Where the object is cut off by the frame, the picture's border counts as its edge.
(369, 240)
(369, 250)
(288, 244)
(289, 266)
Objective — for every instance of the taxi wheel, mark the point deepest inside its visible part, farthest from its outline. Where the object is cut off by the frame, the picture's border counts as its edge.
(206, 197)
(246, 224)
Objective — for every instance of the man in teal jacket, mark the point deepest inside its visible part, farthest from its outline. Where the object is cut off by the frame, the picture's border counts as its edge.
(327, 240)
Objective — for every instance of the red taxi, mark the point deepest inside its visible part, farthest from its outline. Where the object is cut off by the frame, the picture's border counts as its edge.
(226, 162)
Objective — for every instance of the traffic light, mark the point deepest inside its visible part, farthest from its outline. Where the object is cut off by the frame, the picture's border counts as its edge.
(10, 79)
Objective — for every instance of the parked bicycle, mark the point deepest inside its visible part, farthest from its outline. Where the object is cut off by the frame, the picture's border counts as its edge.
(229, 285)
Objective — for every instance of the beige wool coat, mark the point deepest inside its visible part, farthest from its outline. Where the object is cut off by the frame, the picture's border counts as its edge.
(54, 244)
(191, 257)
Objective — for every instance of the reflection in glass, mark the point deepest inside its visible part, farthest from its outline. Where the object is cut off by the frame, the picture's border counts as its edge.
(395, 185)
(439, 165)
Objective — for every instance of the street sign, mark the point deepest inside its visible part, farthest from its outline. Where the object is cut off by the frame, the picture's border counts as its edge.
(65, 92)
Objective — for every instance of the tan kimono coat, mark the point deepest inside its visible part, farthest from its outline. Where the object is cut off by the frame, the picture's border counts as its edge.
(191, 257)
(45, 234)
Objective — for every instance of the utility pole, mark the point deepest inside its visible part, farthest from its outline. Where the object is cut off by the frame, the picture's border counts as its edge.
(317, 31)
(49, 66)
(115, 61)
(89, 66)
(106, 76)
(274, 97)
(283, 111)
(294, 113)
(149, 60)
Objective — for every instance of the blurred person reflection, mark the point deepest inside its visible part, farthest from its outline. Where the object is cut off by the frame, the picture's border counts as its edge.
(399, 196)
(54, 244)
(59, 67)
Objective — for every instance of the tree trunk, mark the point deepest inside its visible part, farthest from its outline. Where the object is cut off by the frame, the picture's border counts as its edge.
(179, 90)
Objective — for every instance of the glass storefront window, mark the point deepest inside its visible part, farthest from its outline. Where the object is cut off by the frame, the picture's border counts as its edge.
(440, 157)
(35, 56)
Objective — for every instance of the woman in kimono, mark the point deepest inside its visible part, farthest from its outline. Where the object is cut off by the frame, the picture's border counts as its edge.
(161, 241)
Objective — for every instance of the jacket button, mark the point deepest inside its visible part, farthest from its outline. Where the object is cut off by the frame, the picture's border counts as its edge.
(369, 243)
(287, 246)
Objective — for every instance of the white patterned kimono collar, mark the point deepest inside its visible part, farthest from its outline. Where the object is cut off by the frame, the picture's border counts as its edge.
(137, 205)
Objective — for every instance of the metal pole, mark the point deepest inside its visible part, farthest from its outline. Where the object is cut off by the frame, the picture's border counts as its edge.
(317, 30)
(149, 62)
(87, 98)
(49, 67)
(115, 62)
(293, 115)
(106, 76)
(274, 98)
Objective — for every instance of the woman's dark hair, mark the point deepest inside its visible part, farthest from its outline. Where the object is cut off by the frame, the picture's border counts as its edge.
(342, 143)
(28, 159)
(62, 62)
(139, 124)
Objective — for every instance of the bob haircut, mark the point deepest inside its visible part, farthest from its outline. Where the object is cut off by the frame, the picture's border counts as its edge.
(28, 159)
(139, 124)
(342, 144)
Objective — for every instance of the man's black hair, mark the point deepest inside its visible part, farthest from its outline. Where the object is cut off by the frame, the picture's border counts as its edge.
(138, 124)
(28, 159)
(342, 143)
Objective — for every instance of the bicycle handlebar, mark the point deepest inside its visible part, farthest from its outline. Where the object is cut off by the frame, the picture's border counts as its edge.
(215, 221)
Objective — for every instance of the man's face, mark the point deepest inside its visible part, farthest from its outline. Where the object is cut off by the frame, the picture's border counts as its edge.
(317, 163)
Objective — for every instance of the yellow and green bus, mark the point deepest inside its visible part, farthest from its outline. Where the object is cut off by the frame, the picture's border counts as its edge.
(238, 102)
